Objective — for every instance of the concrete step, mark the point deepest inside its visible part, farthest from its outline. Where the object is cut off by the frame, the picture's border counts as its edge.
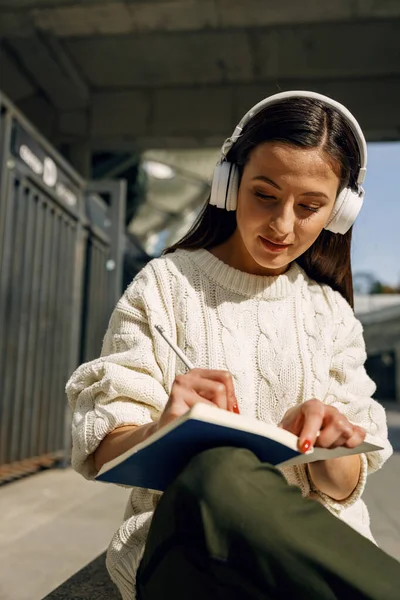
(52, 524)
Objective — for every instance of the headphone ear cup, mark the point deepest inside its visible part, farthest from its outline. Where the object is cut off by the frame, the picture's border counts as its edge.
(232, 189)
(345, 211)
(225, 186)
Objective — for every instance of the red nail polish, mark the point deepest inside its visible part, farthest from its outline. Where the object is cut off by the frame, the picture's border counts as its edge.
(235, 409)
(306, 445)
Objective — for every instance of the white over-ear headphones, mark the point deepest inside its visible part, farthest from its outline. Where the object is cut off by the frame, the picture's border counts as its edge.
(348, 204)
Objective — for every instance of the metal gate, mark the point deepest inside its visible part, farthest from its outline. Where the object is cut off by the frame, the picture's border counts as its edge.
(104, 260)
(54, 285)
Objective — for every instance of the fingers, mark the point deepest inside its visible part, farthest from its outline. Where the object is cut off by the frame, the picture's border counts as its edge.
(225, 396)
(336, 429)
(313, 418)
(321, 425)
(180, 401)
(213, 391)
(305, 421)
(357, 438)
(212, 385)
(289, 419)
(199, 385)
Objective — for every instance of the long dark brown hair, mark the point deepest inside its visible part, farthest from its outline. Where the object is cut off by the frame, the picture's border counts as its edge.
(306, 123)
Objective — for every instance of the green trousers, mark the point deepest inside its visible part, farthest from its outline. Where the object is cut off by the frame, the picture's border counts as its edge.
(230, 527)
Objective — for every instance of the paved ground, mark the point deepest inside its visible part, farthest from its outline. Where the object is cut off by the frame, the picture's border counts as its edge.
(55, 522)
(52, 524)
(383, 493)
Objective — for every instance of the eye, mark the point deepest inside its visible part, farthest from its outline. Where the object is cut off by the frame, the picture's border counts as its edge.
(310, 208)
(264, 196)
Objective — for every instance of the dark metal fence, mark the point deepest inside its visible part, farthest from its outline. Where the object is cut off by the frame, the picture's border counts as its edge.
(58, 283)
(104, 260)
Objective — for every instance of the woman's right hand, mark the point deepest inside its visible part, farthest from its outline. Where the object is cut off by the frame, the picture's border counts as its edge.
(199, 385)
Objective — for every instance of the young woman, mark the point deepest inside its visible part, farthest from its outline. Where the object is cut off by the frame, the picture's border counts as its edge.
(259, 296)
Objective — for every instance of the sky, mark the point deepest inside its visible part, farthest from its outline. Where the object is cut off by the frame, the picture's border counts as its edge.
(376, 237)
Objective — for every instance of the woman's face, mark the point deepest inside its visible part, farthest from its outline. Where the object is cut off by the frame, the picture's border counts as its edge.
(285, 197)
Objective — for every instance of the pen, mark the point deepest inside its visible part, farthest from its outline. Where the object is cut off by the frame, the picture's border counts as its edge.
(175, 348)
(184, 358)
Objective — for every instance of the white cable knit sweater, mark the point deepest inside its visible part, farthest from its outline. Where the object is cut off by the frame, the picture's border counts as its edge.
(285, 340)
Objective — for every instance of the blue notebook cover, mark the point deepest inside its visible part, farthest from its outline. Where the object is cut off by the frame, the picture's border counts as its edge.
(156, 462)
(157, 465)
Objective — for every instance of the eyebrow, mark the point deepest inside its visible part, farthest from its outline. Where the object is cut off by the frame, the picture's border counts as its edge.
(267, 180)
(275, 185)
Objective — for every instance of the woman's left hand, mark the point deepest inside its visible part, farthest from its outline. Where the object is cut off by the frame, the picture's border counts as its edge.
(318, 424)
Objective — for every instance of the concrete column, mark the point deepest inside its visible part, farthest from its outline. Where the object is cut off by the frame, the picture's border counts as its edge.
(80, 156)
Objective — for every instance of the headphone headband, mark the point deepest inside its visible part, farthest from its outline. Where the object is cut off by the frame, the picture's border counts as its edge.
(276, 98)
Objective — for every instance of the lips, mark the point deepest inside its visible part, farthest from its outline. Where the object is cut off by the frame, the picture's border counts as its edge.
(277, 244)
(273, 246)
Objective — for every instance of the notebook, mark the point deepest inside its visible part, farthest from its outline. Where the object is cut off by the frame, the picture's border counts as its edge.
(156, 462)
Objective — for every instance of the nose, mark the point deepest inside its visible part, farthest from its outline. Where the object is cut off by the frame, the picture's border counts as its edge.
(282, 220)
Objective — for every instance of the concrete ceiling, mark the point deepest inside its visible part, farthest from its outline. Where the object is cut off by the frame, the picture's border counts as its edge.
(118, 75)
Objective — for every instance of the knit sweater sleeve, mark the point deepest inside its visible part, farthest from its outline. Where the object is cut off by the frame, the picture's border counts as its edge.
(126, 385)
(350, 391)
